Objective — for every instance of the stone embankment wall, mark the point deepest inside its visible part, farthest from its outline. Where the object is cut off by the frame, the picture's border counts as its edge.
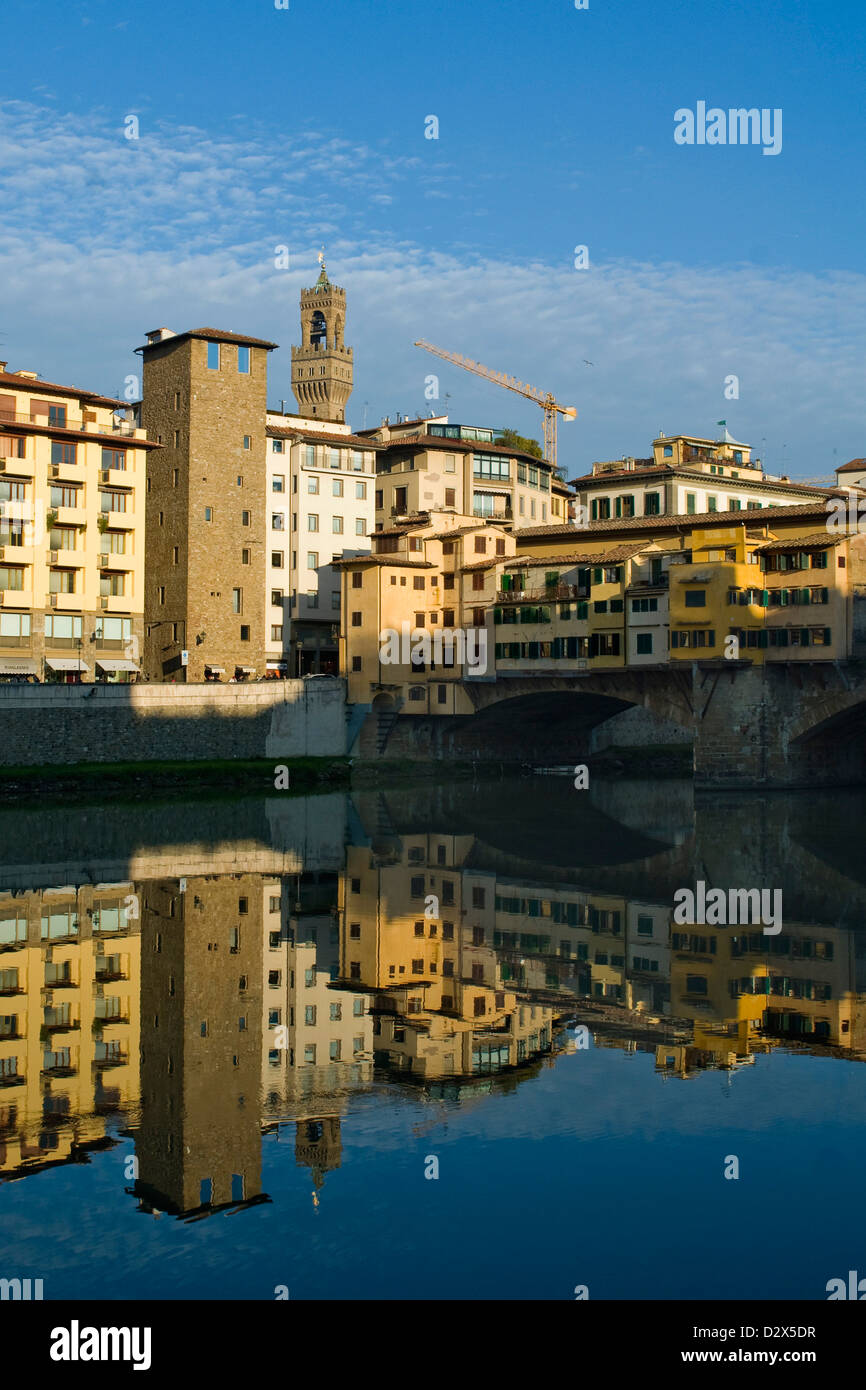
(65, 724)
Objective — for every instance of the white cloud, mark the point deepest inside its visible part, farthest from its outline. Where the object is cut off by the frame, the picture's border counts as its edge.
(179, 228)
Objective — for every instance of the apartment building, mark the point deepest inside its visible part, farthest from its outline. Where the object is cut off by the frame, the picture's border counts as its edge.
(686, 475)
(440, 1005)
(432, 465)
(70, 1024)
(321, 480)
(318, 1039)
(205, 401)
(644, 592)
(73, 469)
(432, 578)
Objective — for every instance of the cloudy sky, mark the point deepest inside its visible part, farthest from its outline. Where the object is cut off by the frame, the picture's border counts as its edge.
(261, 127)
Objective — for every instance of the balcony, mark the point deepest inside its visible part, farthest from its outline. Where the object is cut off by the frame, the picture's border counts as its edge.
(72, 423)
(506, 515)
(552, 593)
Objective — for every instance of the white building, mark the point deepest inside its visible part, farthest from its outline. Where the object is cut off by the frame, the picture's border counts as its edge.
(321, 488)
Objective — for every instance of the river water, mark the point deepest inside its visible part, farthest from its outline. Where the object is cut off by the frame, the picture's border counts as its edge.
(432, 1042)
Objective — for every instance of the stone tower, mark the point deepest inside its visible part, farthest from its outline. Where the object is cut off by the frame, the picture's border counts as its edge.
(322, 365)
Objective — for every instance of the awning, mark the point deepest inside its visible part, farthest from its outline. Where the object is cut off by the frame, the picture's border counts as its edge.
(217, 670)
(109, 664)
(277, 665)
(247, 670)
(66, 663)
(21, 666)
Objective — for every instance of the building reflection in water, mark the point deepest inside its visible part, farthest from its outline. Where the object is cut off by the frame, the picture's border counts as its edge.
(196, 1012)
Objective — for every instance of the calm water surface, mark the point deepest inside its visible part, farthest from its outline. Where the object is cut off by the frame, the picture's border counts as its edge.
(442, 1042)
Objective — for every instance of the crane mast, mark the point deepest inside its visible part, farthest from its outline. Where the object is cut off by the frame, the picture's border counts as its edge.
(548, 402)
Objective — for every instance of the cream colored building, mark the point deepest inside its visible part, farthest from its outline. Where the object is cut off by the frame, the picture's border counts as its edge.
(686, 475)
(72, 485)
(433, 465)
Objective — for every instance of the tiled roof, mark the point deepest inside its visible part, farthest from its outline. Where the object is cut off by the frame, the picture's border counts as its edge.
(602, 557)
(684, 471)
(212, 335)
(701, 521)
(457, 531)
(51, 388)
(488, 564)
(395, 559)
(297, 432)
(855, 466)
(818, 540)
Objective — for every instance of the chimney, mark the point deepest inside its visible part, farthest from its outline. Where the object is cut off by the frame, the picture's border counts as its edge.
(158, 335)
(31, 376)
(3, 366)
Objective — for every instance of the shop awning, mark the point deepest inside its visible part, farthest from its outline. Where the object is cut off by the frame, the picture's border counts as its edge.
(217, 670)
(66, 663)
(18, 666)
(247, 670)
(119, 664)
(277, 665)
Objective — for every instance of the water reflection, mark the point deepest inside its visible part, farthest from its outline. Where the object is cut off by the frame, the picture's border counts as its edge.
(196, 978)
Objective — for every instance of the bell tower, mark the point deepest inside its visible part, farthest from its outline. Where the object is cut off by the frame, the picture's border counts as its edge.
(322, 366)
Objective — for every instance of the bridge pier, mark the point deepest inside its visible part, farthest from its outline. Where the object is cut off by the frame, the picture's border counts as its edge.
(791, 724)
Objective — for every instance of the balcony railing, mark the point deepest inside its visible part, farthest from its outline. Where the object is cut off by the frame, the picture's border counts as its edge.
(551, 593)
(123, 428)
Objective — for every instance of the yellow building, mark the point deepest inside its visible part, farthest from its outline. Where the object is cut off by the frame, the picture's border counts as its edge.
(72, 487)
(415, 612)
(70, 986)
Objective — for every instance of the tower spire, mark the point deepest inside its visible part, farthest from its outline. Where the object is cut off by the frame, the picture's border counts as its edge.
(322, 367)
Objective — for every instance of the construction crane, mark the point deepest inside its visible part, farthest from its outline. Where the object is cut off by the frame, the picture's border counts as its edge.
(545, 399)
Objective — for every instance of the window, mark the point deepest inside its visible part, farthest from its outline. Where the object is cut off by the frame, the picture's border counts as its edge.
(668, 451)
(696, 598)
(248, 443)
(245, 557)
(651, 504)
(312, 521)
(245, 633)
(64, 453)
(356, 619)
(237, 600)
(276, 559)
(379, 502)
(691, 503)
(644, 644)
(337, 487)
(208, 513)
(243, 359)
(337, 525)
(213, 357)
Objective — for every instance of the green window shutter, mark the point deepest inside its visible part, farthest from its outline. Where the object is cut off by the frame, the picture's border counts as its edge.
(827, 637)
(594, 509)
(506, 583)
(765, 598)
(497, 615)
(804, 637)
(583, 610)
(763, 638)
(619, 506)
(596, 576)
(691, 506)
(825, 595)
(551, 579)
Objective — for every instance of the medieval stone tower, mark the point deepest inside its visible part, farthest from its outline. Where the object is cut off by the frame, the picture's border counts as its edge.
(322, 365)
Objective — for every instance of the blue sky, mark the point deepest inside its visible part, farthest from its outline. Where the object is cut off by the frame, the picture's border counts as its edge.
(261, 127)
